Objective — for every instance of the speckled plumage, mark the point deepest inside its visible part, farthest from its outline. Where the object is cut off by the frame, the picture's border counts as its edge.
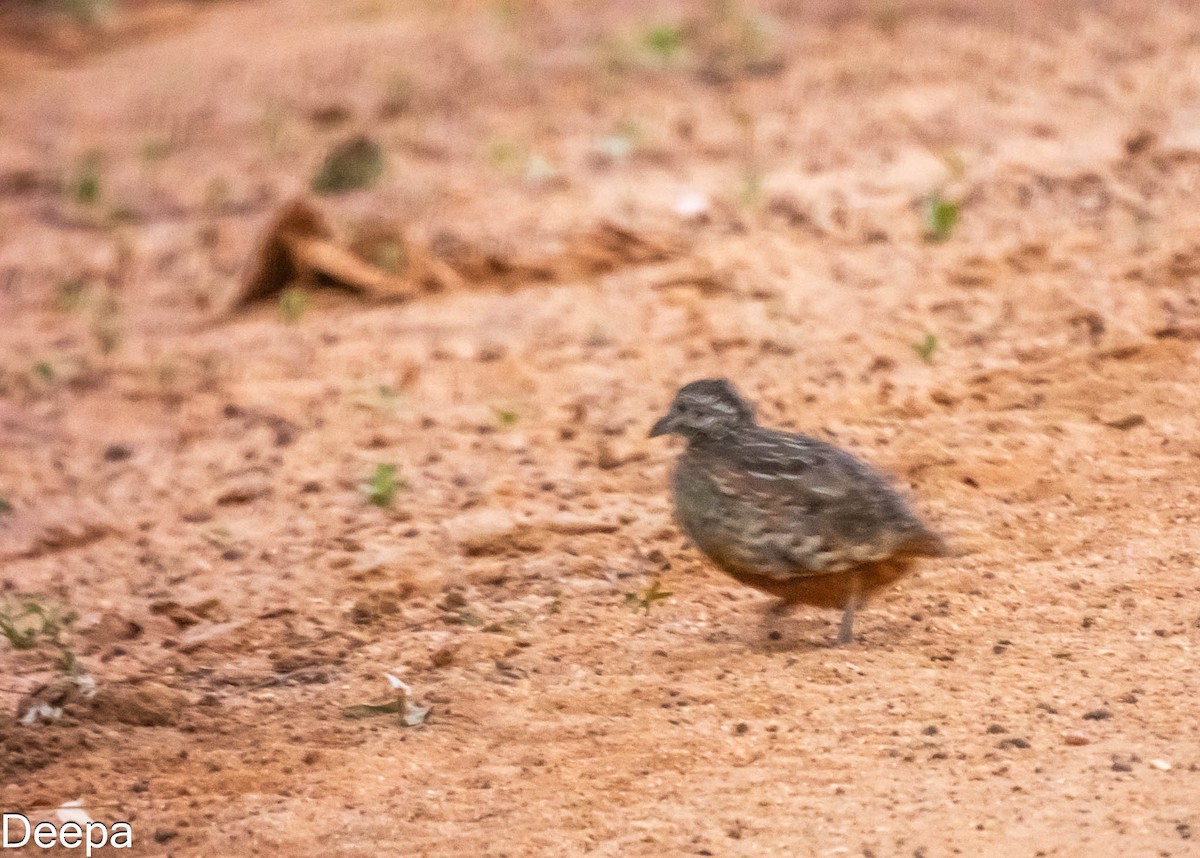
(785, 513)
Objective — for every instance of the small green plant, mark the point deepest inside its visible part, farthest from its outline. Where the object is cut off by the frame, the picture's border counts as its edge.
(505, 416)
(86, 183)
(67, 663)
(646, 599)
(293, 304)
(351, 165)
(665, 41)
(941, 215)
(411, 714)
(382, 487)
(27, 621)
(5, 506)
(30, 623)
(45, 371)
(926, 347)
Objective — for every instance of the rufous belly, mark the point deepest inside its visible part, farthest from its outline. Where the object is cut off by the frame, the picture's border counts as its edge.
(832, 589)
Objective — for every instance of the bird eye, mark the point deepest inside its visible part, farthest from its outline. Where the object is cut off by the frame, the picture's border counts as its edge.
(682, 409)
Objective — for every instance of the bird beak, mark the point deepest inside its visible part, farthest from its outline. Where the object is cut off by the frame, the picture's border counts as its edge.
(662, 427)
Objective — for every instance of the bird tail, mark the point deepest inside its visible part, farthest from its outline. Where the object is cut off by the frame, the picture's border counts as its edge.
(925, 543)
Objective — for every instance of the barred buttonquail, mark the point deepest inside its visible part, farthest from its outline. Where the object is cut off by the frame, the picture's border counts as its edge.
(788, 514)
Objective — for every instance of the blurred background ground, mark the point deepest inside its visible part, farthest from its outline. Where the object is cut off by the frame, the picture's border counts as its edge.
(959, 239)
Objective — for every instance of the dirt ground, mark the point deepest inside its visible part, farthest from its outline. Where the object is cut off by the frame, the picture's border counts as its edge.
(632, 199)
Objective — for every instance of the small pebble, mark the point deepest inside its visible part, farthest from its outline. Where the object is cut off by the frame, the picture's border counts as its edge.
(1013, 743)
(443, 655)
(117, 453)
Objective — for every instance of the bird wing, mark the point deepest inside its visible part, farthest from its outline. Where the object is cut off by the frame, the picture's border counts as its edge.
(804, 508)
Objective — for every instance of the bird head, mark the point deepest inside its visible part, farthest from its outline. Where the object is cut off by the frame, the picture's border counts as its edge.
(710, 408)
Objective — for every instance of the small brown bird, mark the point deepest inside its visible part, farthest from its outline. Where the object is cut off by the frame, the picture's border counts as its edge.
(788, 514)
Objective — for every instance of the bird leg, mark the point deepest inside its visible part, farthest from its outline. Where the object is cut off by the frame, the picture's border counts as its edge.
(853, 600)
(780, 608)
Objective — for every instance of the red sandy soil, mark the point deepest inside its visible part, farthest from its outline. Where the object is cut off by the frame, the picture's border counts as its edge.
(1034, 695)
